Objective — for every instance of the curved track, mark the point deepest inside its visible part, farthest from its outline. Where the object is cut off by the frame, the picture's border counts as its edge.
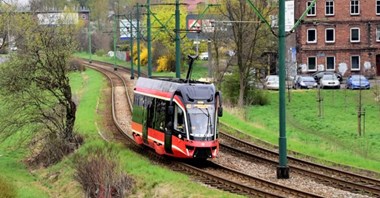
(333, 177)
(219, 176)
(242, 184)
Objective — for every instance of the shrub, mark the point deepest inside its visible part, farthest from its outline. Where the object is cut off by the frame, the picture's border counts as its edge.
(100, 52)
(165, 63)
(252, 95)
(52, 148)
(100, 174)
(76, 65)
(7, 190)
(143, 54)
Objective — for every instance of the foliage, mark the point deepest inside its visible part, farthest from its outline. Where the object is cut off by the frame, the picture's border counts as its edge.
(35, 83)
(100, 52)
(100, 173)
(251, 40)
(253, 96)
(164, 37)
(7, 189)
(76, 65)
(143, 55)
(165, 63)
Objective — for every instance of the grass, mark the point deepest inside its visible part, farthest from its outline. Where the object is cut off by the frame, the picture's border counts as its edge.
(331, 137)
(152, 180)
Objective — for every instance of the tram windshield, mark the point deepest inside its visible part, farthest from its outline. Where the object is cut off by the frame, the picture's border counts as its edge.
(202, 120)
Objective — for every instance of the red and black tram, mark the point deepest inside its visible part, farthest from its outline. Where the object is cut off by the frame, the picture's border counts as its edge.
(177, 117)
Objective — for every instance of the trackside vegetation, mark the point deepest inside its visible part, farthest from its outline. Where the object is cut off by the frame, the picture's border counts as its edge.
(332, 137)
(58, 180)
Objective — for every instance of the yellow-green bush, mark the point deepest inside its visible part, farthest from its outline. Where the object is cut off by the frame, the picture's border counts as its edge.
(143, 55)
(163, 64)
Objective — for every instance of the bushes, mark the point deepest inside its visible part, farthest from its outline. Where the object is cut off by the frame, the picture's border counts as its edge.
(100, 174)
(165, 63)
(6, 189)
(76, 65)
(100, 52)
(252, 95)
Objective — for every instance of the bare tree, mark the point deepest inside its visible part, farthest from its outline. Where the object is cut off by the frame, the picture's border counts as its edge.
(35, 87)
(251, 38)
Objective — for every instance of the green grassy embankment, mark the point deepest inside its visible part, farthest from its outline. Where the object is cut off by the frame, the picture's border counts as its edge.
(57, 180)
(331, 137)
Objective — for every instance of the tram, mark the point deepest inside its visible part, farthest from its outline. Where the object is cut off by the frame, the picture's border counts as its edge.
(177, 117)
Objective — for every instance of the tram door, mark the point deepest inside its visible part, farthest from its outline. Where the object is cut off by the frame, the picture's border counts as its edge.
(148, 118)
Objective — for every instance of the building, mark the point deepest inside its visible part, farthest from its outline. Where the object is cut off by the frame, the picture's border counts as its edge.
(341, 36)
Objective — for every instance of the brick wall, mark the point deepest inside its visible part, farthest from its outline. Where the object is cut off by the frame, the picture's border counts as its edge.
(342, 22)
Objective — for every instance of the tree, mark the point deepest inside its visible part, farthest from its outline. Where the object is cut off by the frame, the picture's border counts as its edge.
(251, 38)
(164, 37)
(36, 88)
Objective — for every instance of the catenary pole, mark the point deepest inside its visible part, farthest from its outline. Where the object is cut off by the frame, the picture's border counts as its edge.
(89, 37)
(177, 41)
(131, 46)
(282, 169)
(149, 37)
(138, 39)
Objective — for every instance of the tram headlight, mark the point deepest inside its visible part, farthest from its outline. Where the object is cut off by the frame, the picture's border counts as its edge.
(179, 136)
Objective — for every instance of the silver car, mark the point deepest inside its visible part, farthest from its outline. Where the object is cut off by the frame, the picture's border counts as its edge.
(272, 82)
(329, 81)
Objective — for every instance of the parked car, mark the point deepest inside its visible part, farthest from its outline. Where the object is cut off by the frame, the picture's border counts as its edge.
(203, 56)
(318, 75)
(272, 82)
(357, 82)
(305, 82)
(329, 80)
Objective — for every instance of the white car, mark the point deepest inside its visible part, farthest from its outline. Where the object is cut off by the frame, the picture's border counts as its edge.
(272, 82)
(329, 80)
(203, 56)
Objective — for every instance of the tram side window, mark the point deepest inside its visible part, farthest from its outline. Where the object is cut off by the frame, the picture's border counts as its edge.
(149, 109)
(138, 109)
(160, 115)
(179, 119)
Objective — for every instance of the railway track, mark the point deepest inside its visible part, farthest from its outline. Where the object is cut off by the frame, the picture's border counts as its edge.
(242, 184)
(215, 175)
(330, 176)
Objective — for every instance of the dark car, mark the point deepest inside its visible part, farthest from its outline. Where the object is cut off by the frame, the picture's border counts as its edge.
(357, 82)
(305, 82)
(319, 74)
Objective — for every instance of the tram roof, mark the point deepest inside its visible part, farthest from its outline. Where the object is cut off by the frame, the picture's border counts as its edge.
(194, 89)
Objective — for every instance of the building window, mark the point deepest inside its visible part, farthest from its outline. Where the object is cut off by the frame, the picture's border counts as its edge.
(355, 7)
(311, 35)
(378, 33)
(355, 62)
(330, 35)
(312, 63)
(355, 35)
(312, 11)
(377, 7)
(330, 63)
(329, 7)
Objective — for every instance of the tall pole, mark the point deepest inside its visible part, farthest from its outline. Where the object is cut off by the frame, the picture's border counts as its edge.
(177, 41)
(131, 46)
(282, 169)
(149, 37)
(89, 37)
(138, 39)
(114, 42)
